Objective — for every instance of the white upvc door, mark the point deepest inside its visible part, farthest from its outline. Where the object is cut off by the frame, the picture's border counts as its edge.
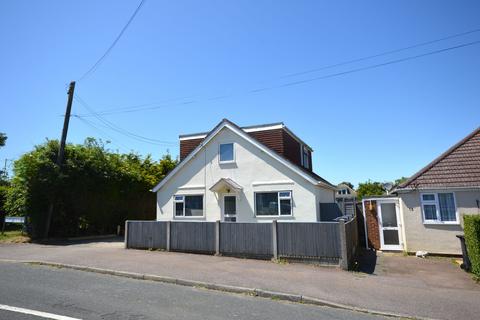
(389, 225)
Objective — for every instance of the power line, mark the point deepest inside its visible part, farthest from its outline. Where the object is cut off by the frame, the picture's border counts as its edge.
(100, 60)
(421, 44)
(92, 125)
(332, 75)
(293, 83)
(153, 106)
(120, 130)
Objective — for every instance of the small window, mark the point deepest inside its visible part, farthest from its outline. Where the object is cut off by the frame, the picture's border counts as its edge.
(188, 206)
(439, 208)
(305, 158)
(273, 203)
(226, 152)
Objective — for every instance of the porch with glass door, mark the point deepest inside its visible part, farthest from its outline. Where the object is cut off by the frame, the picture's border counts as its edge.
(389, 225)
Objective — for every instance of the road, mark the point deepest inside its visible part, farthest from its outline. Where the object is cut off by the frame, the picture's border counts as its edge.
(70, 294)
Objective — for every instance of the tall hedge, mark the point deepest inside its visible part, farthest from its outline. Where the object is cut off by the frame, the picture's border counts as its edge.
(95, 190)
(472, 239)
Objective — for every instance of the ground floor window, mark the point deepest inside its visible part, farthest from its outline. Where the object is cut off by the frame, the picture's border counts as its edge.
(439, 207)
(273, 203)
(188, 205)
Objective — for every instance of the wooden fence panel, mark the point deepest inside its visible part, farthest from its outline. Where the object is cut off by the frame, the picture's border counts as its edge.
(147, 235)
(246, 239)
(309, 240)
(192, 236)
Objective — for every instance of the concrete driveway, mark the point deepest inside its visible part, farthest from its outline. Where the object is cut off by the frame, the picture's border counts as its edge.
(431, 288)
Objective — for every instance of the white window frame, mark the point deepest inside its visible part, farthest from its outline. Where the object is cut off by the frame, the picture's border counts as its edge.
(435, 202)
(305, 159)
(234, 153)
(290, 197)
(175, 201)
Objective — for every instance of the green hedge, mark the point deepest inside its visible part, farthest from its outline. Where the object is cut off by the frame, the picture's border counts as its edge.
(472, 239)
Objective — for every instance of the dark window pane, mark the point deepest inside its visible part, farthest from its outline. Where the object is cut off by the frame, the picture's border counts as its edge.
(285, 207)
(430, 211)
(390, 237)
(389, 215)
(266, 204)
(447, 207)
(226, 152)
(193, 206)
(179, 208)
(230, 205)
(428, 197)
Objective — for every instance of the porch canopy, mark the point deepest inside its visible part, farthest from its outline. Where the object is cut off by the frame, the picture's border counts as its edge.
(226, 185)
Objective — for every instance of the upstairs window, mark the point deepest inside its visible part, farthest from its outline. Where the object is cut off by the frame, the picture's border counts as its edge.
(188, 206)
(226, 153)
(273, 203)
(305, 158)
(439, 208)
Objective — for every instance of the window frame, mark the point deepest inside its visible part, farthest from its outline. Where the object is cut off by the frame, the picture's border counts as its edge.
(304, 154)
(279, 198)
(435, 202)
(233, 151)
(175, 201)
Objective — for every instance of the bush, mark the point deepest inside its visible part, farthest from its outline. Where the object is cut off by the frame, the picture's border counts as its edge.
(95, 190)
(472, 240)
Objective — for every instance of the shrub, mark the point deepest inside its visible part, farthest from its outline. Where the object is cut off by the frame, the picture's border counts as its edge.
(472, 239)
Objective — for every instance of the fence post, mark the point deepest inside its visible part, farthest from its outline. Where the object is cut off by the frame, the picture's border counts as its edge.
(217, 237)
(274, 239)
(343, 244)
(125, 239)
(168, 234)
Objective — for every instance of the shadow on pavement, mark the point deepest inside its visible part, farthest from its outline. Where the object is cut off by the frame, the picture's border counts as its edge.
(367, 261)
(73, 241)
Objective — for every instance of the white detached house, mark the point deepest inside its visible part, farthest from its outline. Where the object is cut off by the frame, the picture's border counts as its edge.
(250, 174)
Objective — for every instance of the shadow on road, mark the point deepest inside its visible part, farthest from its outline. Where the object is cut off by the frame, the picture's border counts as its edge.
(73, 241)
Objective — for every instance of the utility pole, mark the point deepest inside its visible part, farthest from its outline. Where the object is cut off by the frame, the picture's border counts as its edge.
(61, 152)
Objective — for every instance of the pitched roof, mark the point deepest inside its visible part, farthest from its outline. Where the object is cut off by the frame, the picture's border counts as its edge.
(310, 176)
(459, 166)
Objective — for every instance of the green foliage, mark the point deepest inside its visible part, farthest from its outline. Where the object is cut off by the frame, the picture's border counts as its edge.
(472, 240)
(369, 188)
(348, 184)
(3, 139)
(400, 181)
(95, 190)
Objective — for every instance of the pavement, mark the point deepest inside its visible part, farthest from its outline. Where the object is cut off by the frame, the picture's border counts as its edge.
(430, 288)
(70, 295)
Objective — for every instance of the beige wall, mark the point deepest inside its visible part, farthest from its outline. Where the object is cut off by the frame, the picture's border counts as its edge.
(253, 169)
(435, 238)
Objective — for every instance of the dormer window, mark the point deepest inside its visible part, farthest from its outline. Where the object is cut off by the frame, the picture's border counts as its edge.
(226, 153)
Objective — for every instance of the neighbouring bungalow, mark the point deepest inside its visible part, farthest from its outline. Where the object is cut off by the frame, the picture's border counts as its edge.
(250, 174)
(425, 213)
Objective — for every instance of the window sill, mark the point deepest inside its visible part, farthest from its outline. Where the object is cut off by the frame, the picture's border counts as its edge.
(272, 217)
(188, 217)
(227, 162)
(441, 223)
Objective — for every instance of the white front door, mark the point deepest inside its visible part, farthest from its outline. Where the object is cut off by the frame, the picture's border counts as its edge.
(230, 208)
(389, 225)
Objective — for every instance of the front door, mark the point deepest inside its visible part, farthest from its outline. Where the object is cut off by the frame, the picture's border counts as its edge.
(230, 208)
(389, 226)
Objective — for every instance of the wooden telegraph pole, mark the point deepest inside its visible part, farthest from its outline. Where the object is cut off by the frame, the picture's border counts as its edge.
(61, 152)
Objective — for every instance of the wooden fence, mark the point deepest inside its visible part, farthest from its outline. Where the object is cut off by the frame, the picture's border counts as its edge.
(332, 242)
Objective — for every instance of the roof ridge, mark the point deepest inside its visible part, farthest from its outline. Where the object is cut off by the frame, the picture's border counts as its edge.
(439, 158)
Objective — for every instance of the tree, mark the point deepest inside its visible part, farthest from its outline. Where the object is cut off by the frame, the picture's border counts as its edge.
(369, 188)
(348, 184)
(3, 139)
(400, 181)
(95, 191)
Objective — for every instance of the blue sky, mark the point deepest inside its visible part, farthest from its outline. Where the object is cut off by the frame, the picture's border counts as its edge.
(198, 61)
